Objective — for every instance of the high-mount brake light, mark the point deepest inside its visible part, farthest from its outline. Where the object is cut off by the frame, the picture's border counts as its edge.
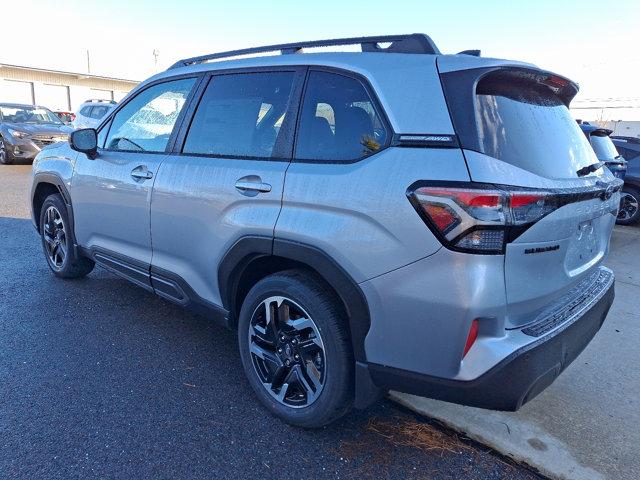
(478, 218)
(555, 81)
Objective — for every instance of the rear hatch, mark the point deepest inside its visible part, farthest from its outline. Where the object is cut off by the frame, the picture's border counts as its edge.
(606, 152)
(516, 132)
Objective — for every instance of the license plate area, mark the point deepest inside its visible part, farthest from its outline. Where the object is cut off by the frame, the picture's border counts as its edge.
(587, 245)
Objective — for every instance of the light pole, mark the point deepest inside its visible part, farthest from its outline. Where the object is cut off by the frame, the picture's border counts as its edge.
(156, 54)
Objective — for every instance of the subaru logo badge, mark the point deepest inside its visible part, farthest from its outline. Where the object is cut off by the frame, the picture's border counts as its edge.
(607, 191)
(606, 194)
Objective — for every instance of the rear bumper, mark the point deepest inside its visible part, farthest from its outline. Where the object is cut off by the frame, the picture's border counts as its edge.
(516, 379)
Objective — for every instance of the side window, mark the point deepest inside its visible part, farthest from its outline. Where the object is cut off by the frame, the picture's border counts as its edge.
(627, 153)
(145, 123)
(338, 120)
(623, 151)
(99, 111)
(240, 115)
(84, 111)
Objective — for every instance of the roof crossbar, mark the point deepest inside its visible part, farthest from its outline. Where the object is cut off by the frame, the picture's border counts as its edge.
(411, 43)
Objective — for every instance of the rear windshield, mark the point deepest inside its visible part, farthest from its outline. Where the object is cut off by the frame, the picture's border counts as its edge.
(604, 147)
(520, 121)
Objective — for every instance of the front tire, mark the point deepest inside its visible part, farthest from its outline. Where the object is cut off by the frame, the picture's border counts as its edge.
(56, 236)
(629, 212)
(295, 349)
(5, 159)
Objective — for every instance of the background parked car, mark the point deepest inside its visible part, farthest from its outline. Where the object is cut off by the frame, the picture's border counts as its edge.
(27, 129)
(629, 148)
(92, 112)
(66, 117)
(608, 154)
(605, 149)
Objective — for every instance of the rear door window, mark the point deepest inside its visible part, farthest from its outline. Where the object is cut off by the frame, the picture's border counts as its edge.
(240, 115)
(339, 121)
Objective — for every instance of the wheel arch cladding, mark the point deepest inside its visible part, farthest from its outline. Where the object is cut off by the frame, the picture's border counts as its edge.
(253, 258)
(45, 185)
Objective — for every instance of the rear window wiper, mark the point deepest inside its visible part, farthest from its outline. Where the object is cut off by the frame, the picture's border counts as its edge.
(619, 160)
(590, 168)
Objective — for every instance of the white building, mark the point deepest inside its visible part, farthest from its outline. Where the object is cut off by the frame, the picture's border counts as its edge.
(622, 128)
(57, 90)
(625, 128)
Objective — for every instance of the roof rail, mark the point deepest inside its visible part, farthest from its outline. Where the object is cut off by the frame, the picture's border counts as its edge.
(100, 100)
(409, 43)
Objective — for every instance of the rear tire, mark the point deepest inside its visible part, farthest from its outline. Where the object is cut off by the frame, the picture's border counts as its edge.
(296, 350)
(629, 212)
(57, 243)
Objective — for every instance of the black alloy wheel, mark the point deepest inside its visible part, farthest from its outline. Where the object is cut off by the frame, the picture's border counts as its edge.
(55, 238)
(629, 211)
(287, 352)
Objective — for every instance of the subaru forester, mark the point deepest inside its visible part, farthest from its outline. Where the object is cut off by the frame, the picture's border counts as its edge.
(394, 218)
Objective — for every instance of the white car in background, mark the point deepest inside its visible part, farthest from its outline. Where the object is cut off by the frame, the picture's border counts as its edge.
(92, 112)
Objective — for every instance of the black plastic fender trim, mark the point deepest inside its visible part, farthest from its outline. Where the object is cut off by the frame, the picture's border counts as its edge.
(249, 248)
(57, 182)
(357, 308)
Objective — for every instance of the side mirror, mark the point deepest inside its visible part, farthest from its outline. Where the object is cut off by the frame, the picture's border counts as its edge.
(85, 140)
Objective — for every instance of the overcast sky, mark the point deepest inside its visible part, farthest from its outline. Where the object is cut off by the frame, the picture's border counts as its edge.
(584, 40)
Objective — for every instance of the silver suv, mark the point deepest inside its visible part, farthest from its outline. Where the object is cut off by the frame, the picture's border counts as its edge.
(92, 112)
(394, 218)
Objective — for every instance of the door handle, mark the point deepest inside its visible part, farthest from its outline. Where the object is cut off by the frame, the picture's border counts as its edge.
(141, 172)
(248, 187)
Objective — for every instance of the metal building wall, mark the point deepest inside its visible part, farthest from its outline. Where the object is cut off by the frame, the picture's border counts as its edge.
(57, 90)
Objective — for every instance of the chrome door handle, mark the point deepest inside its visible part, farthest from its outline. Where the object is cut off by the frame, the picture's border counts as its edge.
(141, 173)
(246, 186)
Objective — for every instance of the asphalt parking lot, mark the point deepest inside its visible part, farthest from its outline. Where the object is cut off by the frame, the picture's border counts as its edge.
(100, 379)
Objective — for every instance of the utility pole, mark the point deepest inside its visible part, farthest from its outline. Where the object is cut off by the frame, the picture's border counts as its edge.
(156, 54)
(88, 63)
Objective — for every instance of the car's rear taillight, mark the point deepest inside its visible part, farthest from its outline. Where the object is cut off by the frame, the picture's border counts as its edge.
(478, 218)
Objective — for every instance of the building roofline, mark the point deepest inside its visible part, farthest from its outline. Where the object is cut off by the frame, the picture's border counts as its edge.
(61, 72)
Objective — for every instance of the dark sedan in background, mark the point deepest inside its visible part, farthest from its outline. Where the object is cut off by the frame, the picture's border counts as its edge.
(629, 148)
(606, 151)
(27, 129)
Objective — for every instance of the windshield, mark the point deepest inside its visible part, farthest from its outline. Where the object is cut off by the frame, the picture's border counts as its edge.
(33, 115)
(604, 147)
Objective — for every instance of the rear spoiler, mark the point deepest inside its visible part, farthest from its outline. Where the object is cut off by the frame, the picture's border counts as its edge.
(564, 88)
(473, 70)
(601, 132)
